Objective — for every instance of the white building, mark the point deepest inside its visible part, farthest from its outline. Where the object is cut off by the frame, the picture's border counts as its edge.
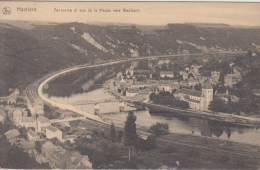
(42, 123)
(131, 92)
(32, 136)
(28, 122)
(53, 132)
(164, 61)
(197, 100)
(166, 74)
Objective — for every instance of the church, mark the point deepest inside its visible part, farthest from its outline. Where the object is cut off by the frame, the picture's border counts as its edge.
(198, 100)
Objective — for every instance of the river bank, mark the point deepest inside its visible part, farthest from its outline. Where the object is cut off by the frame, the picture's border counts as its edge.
(236, 133)
(168, 110)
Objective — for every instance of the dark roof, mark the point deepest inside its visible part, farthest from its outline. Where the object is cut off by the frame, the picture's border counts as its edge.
(186, 97)
(189, 92)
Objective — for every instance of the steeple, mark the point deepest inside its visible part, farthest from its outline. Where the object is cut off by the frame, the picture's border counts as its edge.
(207, 85)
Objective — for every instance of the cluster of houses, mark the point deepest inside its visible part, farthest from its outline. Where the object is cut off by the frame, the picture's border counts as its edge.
(56, 156)
(236, 76)
(63, 159)
(40, 128)
(130, 86)
(40, 123)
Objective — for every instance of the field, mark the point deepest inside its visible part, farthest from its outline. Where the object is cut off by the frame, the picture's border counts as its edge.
(192, 157)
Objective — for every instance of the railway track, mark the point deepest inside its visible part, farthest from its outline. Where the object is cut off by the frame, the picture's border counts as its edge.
(195, 144)
(33, 91)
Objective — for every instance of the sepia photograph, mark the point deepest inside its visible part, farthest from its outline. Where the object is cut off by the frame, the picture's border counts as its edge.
(129, 85)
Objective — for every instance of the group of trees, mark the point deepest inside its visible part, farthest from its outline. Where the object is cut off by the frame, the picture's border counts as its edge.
(248, 102)
(246, 105)
(166, 98)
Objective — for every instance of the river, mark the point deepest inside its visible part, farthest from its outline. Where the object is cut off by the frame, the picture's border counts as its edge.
(110, 113)
(86, 84)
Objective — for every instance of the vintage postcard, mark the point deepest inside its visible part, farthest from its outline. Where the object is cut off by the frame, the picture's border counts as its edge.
(129, 85)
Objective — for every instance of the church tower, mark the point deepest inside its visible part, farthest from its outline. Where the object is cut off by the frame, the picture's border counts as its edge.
(207, 92)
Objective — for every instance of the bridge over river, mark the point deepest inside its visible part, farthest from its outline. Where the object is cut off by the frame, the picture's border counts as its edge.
(86, 102)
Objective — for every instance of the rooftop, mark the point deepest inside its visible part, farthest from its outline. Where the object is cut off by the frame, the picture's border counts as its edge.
(32, 133)
(132, 91)
(27, 120)
(186, 97)
(43, 119)
(53, 149)
(189, 92)
(12, 134)
(166, 72)
(68, 113)
(52, 128)
(207, 85)
(139, 83)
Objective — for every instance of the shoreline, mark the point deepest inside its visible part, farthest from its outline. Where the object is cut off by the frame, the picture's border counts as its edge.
(168, 111)
(38, 87)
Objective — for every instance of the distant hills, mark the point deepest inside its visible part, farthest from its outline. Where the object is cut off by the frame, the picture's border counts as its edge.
(30, 50)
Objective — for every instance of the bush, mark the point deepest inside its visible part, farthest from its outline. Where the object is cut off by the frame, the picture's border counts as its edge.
(159, 129)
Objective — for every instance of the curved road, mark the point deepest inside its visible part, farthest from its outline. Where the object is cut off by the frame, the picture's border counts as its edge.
(88, 115)
(85, 114)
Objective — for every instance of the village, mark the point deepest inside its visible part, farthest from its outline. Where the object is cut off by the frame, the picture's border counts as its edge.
(36, 134)
(189, 84)
(49, 138)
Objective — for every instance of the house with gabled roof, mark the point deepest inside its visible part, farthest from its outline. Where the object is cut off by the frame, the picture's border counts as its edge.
(28, 122)
(53, 132)
(12, 135)
(54, 155)
(78, 161)
(42, 123)
(32, 136)
(62, 159)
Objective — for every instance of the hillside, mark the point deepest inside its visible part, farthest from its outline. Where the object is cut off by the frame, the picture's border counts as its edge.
(27, 54)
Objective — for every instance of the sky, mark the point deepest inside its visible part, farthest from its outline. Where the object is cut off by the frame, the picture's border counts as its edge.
(150, 13)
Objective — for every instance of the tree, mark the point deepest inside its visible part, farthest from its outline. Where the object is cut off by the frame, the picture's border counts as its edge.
(216, 105)
(38, 146)
(130, 135)
(112, 132)
(159, 129)
(198, 87)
